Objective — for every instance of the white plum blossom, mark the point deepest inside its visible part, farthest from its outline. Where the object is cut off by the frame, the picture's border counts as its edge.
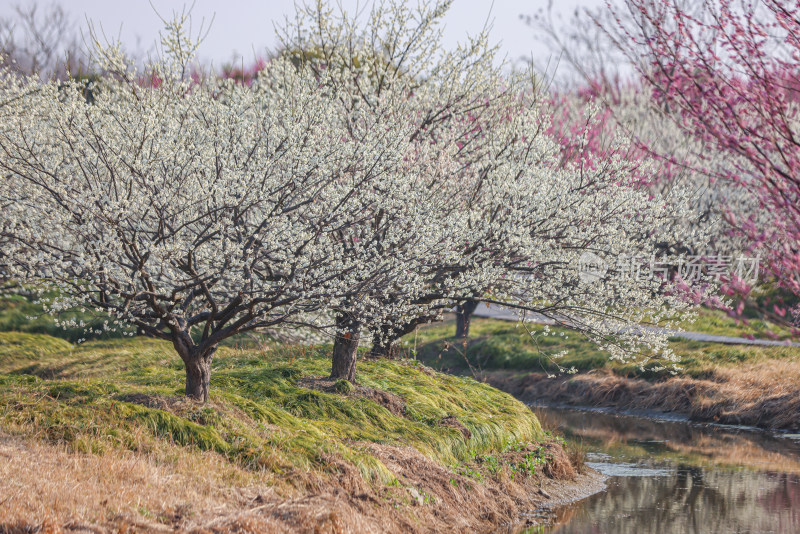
(365, 181)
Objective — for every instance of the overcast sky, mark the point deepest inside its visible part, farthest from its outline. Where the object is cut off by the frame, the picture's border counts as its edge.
(241, 26)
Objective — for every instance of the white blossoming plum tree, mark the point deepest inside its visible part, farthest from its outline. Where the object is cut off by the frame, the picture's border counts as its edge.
(192, 211)
(482, 201)
(394, 71)
(375, 181)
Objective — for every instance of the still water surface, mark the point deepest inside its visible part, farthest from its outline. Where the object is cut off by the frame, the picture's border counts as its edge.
(672, 476)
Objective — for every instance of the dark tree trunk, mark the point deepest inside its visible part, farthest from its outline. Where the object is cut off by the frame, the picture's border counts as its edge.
(386, 344)
(385, 348)
(198, 366)
(464, 313)
(345, 349)
(198, 375)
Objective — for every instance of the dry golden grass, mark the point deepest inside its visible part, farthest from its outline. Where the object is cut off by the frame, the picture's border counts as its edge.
(46, 488)
(48, 484)
(685, 444)
(764, 394)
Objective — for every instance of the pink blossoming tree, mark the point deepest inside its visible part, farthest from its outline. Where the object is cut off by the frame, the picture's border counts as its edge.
(728, 69)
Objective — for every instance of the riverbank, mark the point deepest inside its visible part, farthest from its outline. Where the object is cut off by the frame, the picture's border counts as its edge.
(761, 395)
(96, 437)
(719, 383)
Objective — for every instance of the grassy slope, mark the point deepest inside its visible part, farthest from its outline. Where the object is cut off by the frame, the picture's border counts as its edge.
(502, 345)
(259, 416)
(116, 398)
(735, 384)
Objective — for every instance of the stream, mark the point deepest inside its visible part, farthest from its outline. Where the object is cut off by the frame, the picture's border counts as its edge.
(673, 476)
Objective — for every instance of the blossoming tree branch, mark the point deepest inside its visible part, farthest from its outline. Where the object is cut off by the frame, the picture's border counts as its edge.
(364, 182)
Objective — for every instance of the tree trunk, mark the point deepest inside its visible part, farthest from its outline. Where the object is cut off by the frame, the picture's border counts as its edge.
(385, 348)
(386, 342)
(345, 349)
(464, 313)
(198, 367)
(198, 375)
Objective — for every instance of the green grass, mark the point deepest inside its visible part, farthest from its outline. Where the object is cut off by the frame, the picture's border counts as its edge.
(105, 394)
(20, 313)
(719, 323)
(502, 345)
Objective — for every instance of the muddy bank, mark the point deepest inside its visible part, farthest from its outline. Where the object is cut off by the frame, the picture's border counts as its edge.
(765, 395)
(428, 498)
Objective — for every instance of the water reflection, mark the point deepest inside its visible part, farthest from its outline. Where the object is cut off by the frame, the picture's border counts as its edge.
(677, 477)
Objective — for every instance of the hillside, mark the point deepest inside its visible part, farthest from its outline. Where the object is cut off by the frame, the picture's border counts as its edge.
(98, 436)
